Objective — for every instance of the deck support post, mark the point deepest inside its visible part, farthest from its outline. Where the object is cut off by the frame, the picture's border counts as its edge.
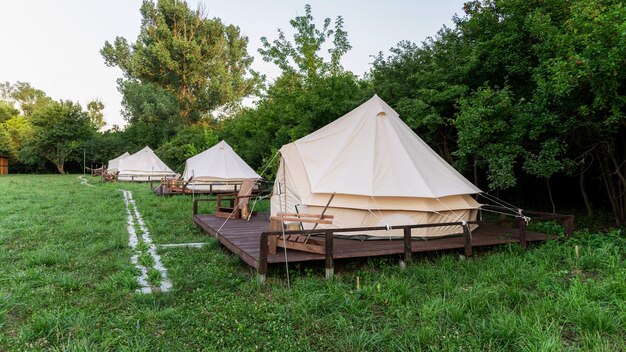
(468, 240)
(407, 248)
(521, 225)
(262, 265)
(195, 207)
(330, 267)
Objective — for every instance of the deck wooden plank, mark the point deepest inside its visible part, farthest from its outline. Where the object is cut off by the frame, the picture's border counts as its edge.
(242, 238)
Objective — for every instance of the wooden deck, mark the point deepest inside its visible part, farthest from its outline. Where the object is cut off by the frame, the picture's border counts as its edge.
(168, 192)
(243, 238)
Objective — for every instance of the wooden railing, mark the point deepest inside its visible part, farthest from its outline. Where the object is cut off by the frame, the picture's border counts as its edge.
(329, 238)
(198, 200)
(520, 218)
(523, 215)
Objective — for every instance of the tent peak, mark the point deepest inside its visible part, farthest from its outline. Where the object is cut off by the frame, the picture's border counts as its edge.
(145, 149)
(222, 144)
(219, 162)
(370, 151)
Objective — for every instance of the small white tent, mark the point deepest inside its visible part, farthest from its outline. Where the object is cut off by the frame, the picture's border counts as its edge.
(143, 166)
(381, 172)
(113, 164)
(218, 165)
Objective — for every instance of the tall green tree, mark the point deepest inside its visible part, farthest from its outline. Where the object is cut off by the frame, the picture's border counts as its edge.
(312, 90)
(521, 89)
(5, 141)
(581, 85)
(24, 95)
(302, 56)
(60, 131)
(17, 130)
(151, 112)
(7, 110)
(202, 63)
(95, 108)
(187, 143)
(424, 83)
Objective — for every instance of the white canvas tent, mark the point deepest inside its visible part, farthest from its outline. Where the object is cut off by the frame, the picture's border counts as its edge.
(381, 172)
(113, 164)
(218, 166)
(143, 166)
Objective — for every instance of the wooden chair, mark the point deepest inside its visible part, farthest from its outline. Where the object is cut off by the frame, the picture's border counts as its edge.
(107, 177)
(235, 206)
(299, 242)
(175, 184)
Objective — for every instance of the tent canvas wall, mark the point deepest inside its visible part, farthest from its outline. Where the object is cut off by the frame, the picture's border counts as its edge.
(218, 166)
(381, 172)
(143, 166)
(113, 164)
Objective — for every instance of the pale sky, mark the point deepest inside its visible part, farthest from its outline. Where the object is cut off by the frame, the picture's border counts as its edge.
(54, 45)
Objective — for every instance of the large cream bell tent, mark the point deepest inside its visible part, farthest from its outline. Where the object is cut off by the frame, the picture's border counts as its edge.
(381, 172)
(113, 164)
(218, 166)
(143, 166)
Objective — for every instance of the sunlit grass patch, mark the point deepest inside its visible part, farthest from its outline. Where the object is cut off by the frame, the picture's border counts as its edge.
(67, 283)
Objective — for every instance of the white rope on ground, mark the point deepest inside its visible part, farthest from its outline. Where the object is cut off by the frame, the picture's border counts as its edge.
(142, 279)
(83, 181)
(166, 284)
(191, 245)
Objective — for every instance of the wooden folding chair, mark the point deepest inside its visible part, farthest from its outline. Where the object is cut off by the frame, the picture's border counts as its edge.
(235, 206)
(298, 241)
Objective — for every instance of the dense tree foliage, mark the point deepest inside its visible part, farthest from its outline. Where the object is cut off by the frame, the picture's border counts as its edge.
(60, 130)
(311, 91)
(96, 116)
(520, 89)
(515, 94)
(42, 130)
(187, 143)
(200, 62)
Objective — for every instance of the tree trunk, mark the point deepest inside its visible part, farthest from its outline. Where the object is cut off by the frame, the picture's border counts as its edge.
(61, 167)
(613, 190)
(550, 194)
(583, 191)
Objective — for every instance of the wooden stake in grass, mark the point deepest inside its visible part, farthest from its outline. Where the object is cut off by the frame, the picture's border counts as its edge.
(358, 284)
(576, 250)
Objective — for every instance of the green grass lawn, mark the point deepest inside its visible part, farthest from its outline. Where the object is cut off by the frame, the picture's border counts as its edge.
(67, 283)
